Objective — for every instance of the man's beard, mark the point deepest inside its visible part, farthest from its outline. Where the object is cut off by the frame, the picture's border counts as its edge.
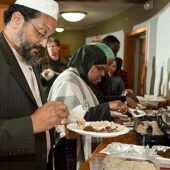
(27, 50)
(30, 56)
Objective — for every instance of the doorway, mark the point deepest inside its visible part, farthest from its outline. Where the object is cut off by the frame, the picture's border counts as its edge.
(135, 60)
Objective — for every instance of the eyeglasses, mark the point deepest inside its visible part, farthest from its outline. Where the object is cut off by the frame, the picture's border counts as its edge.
(40, 35)
(102, 68)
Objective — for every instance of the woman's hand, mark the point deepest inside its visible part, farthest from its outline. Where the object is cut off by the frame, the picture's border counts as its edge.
(131, 101)
(118, 105)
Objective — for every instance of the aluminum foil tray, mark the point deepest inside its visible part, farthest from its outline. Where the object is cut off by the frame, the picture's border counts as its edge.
(127, 149)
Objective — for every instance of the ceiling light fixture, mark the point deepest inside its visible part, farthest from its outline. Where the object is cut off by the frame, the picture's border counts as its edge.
(59, 29)
(73, 16)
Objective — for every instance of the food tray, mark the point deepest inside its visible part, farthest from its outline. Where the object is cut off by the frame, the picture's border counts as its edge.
(141, 152)
(163, 162)
(123, 162)
(131, 150)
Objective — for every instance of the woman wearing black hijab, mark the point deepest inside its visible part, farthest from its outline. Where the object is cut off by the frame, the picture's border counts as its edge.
(79, 84)
(76, 84)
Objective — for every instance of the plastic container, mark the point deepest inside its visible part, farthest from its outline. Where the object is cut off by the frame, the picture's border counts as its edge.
(96, 163)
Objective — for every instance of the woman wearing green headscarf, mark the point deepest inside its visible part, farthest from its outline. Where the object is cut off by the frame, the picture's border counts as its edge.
(79, 85)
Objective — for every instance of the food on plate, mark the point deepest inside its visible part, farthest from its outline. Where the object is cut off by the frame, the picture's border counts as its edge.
(149, 127)
(101, 126)
(81, 123)
(113, 163)
(137, 112)
(164, 153)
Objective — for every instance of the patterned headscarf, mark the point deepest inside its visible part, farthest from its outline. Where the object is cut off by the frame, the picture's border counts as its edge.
(108, 52)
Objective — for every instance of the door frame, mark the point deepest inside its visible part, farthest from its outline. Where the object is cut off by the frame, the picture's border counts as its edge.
(129, 58)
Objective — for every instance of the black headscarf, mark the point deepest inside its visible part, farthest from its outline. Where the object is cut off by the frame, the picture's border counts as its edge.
(84, 59)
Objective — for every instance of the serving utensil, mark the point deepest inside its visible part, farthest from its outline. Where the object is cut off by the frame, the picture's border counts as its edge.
(136, 120)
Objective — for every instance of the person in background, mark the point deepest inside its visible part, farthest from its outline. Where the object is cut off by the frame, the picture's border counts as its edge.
(117, 84)
(25, 117)
(51, 65)
(77, 87)
(122, 72)
(114, 44)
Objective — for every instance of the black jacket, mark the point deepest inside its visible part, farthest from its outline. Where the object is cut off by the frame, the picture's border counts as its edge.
(19, 147)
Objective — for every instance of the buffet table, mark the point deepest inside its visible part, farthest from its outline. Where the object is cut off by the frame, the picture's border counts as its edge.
(129, 138)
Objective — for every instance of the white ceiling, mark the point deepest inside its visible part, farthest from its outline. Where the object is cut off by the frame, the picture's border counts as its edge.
(96, 12)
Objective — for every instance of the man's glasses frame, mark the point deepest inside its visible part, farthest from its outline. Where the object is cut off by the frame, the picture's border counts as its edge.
(40, 35)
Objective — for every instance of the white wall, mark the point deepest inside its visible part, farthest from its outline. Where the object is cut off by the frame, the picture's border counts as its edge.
(158, 59)
(163, 53)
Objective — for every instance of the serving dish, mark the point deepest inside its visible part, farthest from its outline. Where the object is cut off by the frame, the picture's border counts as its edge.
(147, 137)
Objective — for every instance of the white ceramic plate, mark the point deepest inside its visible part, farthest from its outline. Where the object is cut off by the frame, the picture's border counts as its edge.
(73, 127)
(140, 112)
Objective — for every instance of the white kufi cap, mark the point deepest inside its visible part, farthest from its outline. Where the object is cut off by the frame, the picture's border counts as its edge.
(49, 7)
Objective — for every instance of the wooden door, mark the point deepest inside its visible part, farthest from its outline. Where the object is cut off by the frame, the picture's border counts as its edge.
(64, 53)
